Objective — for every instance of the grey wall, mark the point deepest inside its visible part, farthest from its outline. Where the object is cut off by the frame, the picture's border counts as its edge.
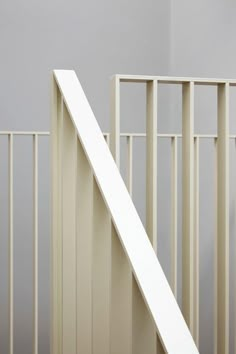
(97, 40)
(202, 38)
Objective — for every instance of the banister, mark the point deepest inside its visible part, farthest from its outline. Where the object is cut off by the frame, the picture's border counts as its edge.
(169, 323)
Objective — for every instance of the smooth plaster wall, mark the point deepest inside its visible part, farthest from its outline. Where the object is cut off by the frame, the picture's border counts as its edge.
(96, 39)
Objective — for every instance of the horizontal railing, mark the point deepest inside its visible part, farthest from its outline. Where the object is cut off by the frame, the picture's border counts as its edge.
(109, 293)
(174, 80)
(21, 132)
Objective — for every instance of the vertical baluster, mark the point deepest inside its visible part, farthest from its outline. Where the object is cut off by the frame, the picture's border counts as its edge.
(56, 224)
(69, 161)
(121, 298)
(84, 252)
(35, 242)
(188, 202)
(215, 254)
(196, 243)
(151, 163)
(126, 294)
(174, 215)
(234, 287)
(101, 273)
(130, 164)
(11, 254)
(145, 339)
(223, 220)
(144, 333)
(115, 119)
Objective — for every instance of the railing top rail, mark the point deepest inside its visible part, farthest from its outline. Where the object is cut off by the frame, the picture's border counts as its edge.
(157, 294)
(174, 80)
(171, 135)
(21, 132)
(124, 135)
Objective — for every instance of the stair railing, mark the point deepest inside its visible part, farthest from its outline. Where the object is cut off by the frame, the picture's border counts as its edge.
(109, 293)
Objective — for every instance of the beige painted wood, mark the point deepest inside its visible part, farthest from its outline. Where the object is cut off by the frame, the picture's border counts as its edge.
(115, 119)
(223, 220)
(174, 215)
(151, 162)
(168, 135)
(196, 244)
(145, 339)
(84, 252)
(215, 251)
(121, 333)
(58, 234)
(69, 174)
(22, 132)
(121, 299)
(151, 204)
(175, 80)
(35, 242)
(188, 203)
(234, 288)
(130, 164)
(159, 346)
(56, 223)
(101, 274)
(10, 246)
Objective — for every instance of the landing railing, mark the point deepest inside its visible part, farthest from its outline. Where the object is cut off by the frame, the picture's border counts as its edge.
(10, 333)
(109, 293)
(190, 190)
